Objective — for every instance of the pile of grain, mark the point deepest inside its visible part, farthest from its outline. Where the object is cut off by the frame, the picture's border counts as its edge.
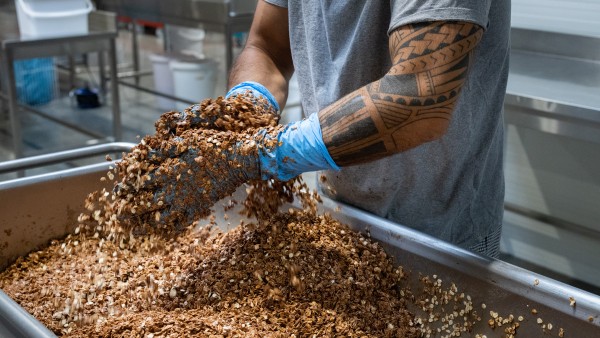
(140, 264)
(299, 274)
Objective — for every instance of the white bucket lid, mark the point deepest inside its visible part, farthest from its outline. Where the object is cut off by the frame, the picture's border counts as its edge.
(158, 58)
(163, 57)
(192, 64)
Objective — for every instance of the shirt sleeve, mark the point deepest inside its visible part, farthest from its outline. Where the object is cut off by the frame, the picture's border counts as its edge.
(412, 11)
(280, 3)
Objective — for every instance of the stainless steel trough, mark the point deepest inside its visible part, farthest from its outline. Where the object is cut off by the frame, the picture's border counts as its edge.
(36, 209)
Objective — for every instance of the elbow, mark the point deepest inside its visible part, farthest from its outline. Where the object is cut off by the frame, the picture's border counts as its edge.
(423, 131)
(435, 129)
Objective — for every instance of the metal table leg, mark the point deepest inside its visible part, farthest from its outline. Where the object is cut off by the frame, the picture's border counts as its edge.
(114, 91)
(71, 60)
(11, 92)
(135, 54)
(2, 87)
(102, 73)
(228, 50)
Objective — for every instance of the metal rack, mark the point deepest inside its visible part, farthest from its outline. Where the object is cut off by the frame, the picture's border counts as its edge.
(100, 39)
(221, 16)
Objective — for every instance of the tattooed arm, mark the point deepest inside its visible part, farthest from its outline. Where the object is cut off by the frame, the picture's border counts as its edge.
(412, 104)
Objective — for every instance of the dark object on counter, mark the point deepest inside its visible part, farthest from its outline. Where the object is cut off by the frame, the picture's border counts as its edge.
(86, 98)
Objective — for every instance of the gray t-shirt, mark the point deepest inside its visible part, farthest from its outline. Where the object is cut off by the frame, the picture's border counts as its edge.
(451, 188)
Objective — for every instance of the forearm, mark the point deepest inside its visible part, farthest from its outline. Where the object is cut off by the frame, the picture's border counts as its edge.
(255, 65)
(412, 104)
(266, 58)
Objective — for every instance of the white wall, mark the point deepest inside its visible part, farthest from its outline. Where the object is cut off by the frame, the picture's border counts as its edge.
(579, 17)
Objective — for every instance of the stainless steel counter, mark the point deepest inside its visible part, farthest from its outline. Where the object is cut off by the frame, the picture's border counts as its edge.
(554, 84)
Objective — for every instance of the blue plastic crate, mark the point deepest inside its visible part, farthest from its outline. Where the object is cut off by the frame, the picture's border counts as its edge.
(35, 81)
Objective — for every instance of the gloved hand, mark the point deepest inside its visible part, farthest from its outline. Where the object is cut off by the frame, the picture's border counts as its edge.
(184, 178)
(299, 148)
(258, 91)
(191, 173)
(230, 113)
(184, 175)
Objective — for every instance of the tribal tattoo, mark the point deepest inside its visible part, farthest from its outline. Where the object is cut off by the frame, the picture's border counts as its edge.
(412, 104)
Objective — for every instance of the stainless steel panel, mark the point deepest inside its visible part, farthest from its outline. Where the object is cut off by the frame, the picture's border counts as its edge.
(54, 199)
(207, 12)
(15, 322)
(38, 208)
(144, 9)
(552, 186)
(182, 11)
(552, 118)
(566, 45)
(553, 84)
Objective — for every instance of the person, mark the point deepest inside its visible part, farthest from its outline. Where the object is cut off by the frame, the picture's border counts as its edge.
(404, 102)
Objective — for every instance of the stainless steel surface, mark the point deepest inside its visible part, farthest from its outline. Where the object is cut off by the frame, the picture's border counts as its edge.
(552, 117)
(551, 43)
(554, 87)
(182, 12)
(100, 39)
(555, 221)
(51, 202)
(37, 208)
(63, 156)
(17, 323)
(554, 84)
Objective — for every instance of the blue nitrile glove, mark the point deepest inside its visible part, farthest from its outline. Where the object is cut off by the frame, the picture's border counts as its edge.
(220, 113)
(184, 179)
(257, 90)
(300, 149)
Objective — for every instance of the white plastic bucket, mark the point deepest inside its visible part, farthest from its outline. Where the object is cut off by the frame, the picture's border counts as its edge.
(45, 18)
(163, 80)
(194, 79)
(187, 41)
